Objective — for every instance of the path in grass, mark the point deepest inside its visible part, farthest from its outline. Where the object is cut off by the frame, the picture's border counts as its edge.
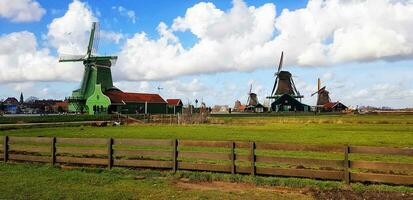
(22, 181)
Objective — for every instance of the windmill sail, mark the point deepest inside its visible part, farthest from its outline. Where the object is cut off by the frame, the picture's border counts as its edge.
(278, 71)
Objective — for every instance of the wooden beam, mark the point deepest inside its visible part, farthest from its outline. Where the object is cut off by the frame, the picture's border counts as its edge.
(174, 155)
(110, 153)
(233, 167)
(53, 151)
(252, 158)
(6, 148)
(346, 176)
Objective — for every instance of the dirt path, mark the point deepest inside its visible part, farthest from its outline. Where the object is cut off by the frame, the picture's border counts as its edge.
(299, 193)
(241, 188)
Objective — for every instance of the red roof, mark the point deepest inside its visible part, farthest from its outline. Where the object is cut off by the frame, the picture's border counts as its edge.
(331, 105)
(174, 102)
(124, 97)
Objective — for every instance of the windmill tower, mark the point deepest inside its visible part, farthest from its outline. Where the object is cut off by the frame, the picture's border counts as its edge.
(284, 83)
(97, 77)
(323, 96)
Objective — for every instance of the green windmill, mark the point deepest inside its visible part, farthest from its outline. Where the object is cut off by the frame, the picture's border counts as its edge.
(97, 78)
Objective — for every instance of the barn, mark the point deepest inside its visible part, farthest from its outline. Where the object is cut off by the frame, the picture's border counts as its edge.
(136, 103)
(286, 103)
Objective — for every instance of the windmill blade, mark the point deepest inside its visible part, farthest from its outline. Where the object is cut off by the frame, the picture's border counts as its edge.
(96, 39)
(250, 89)
(280, 65)
(71, 58)
(314, 93)
(91, 39)
(294, 88)
(275, 85)
(100, 58)
(319, 91)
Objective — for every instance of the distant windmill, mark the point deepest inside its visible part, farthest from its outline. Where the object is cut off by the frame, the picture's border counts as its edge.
(323, 96)
(284, 83)
(252, 98)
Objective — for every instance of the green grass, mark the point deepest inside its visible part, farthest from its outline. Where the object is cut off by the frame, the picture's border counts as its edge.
(43, 182)
(369, 130)
(30, 181)
(398, 135)
(23, 181)
(52, 118)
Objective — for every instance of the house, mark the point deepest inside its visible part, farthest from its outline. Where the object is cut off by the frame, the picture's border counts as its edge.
(135, 103)
(286, 103)
(11, 105)
(334, 107)
(60, 107)
(174, 106)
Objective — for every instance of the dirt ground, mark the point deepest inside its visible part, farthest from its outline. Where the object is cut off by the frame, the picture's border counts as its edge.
(305, 192)
(351, 195)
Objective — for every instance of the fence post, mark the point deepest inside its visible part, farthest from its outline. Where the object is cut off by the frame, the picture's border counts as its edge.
(110, 153)
(174, 155)
(252, 157)
(6, 148)
(346, 164)
(53, 154)
(232, 157)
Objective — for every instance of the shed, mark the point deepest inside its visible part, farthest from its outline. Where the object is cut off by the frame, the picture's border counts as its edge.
(174, 106)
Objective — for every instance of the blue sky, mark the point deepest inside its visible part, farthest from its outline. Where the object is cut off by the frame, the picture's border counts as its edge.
(214, 50)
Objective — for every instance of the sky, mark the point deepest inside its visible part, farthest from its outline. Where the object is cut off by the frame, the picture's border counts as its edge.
(214, 50)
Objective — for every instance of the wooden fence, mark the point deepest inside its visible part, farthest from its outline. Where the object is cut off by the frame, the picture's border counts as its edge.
(255, 158)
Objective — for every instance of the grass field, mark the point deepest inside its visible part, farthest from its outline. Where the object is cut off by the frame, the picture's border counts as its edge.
(29, 181)
(380, 130)
(22, 181)
(385, 130)
(52, 118)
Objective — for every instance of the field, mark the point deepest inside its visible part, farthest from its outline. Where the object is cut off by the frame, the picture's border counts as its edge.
(379, 130)
(376, 130)
(45, 182)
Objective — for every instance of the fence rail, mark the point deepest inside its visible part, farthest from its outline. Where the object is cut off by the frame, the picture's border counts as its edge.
(216, 156)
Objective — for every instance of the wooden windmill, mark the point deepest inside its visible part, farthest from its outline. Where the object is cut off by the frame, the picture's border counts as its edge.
(252, 98)
(284, 83)
(323, 96)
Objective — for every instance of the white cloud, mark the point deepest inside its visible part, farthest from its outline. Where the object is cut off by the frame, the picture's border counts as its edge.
(127, 86)
(69, 34)
(112, 36)
(125, 12)
(249, 38)
(225, 44)
(21, 10)
(21, 87)
(22, 60)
